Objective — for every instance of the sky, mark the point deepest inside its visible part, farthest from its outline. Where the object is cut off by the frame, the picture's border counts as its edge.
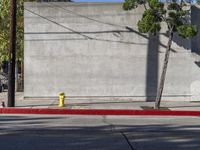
(98, 0)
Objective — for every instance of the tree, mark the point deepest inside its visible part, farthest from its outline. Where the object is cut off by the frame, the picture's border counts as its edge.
(4, 34)
(4, 28)
(174, 15)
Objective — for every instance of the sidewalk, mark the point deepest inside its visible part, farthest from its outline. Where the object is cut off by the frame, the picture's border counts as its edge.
(92, 104)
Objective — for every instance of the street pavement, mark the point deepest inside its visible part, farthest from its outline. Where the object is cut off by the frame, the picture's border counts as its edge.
(74, 132)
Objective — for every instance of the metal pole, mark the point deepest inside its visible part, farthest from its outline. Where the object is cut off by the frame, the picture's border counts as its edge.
(12, 55)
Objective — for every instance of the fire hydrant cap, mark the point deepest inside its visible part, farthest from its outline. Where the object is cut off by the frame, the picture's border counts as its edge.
(62, 94)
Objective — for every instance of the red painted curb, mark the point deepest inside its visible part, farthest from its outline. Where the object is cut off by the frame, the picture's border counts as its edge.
(96, 112)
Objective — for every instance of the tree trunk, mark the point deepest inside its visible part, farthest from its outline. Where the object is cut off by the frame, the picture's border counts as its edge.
(12, 55)
(164, 70)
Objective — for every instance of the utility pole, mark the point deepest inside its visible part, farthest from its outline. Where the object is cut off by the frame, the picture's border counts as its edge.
(12, 55)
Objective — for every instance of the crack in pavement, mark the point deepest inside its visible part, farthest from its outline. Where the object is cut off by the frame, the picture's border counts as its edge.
(114, 130)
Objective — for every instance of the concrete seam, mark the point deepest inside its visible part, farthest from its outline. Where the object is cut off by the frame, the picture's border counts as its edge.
(113, 129)
(127, 140)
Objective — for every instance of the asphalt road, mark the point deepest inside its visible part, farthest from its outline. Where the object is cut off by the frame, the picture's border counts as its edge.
(48, 132)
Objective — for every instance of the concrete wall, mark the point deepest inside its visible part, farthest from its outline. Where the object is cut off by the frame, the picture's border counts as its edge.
(94, 50)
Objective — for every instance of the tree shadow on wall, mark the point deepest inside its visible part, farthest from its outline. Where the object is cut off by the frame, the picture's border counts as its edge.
(195, 42)
(152, 67)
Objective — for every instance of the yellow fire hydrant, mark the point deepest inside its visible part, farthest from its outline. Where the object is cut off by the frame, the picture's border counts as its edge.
(61, 99)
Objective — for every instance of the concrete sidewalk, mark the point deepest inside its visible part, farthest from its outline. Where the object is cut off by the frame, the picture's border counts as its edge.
(98, 104)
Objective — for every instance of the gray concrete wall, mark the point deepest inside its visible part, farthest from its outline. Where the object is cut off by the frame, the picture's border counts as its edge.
(94, 50)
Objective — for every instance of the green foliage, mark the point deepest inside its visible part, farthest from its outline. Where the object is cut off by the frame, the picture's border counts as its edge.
(5, 28)
(149, 22)
(174, 20)
(130, 4)
(174, 6)
(152, 17)
(155, 4)
(187, 31)
(175, 15)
